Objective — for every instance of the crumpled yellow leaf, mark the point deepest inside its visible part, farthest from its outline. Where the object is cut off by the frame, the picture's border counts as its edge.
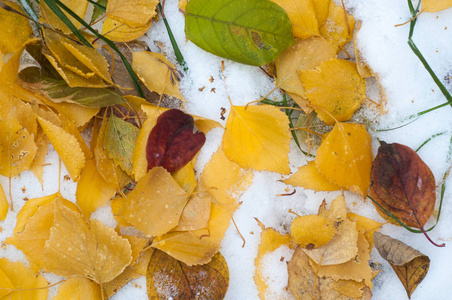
(345, 157)
(258, 137)
(4, 205)
(338, 26)
(309, 177)
(77, 6)
(302, 14)
(91, 250)
(15, 30)
(67, 147)
(270, 241)
(435, 5)
(133, 13)
(120, 32)
(225, 180)
(196, 213)
(16, 275)
(305, 54)
(312, 231)
(156, 203)
(92, 189)
(198, 246)
(157, 73)
(79, 288)
(336, 88)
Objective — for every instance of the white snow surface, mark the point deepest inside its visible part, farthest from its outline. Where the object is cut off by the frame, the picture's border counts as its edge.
(408, 88)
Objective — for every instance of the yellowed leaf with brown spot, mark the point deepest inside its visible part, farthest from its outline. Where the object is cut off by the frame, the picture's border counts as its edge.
(133, 13)
(79, 288)
(15, 30)
(337, 211)
(120, 32)
(309, 177)
(338, 26)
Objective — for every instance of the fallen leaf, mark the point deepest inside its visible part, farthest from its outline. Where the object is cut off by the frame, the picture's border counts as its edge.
(78, 288)
(339, 25)
(322, 9)
(139, 161)
(4, 205)
(352, 289)
(309, 177)
(133, 13)
(15, 30)
(113, 286)
(37, 166)
(435, 6)
(78, 7)
(337, 212)
(168, 278)
(368, 226)
(345, 157)
(186, 177)
(258, 137)
(410, 265)
(312, 231)
(336, 88)
(196, 213)
(120, 32)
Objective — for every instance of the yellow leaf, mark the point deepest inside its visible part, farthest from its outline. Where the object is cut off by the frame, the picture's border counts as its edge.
(22, 111)
(91, 250)
(338, 26)
(258, 137)
(92, 190)
(336, 88)
(15, 30)
(156, 203)
(4, 205)
(182, 4)
(157, 73)
(185, 176)
(368, 226)
(345, 157)
(224, 179)
(309, 177)
(306, 54)
(77, 6)
(312, 231)
(270, 241)
(78, 114)
(196, 213)
(302, 15)
(322, 8)
(120, 32)
(337, 211)
(133, 13)
(29, 285)
(198, 246)
(78, 288)
(350, 288)
(112, 287)
(37, 167)
(67, 147)
(435, 5)
(139, 161)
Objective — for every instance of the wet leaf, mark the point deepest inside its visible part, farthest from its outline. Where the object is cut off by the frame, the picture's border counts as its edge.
(15, 30)
(120, 32)
(312, 231)
(133, 13)
(168, 278)
(410, 265)
(368, 226)
(435, 6)
(339, 25)
(113, 286)
(252, 32)
(309, 177)
(79, 288)
(171, 142)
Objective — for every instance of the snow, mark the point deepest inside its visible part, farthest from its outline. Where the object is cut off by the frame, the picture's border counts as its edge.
(409, 89)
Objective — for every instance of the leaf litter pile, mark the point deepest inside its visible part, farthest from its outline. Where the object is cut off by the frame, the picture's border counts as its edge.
(62, 81)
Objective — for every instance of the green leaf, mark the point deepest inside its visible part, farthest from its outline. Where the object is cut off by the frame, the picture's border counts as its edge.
(99, 9)
(119, 143)
(252, 32)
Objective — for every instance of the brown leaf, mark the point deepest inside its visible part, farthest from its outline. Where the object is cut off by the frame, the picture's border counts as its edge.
(168, 278)
(403, 185)
(410, 265)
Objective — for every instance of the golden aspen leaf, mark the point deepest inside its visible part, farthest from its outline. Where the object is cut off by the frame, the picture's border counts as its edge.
(157, 73)
(225, 180)
(27, 283)
(350, 288)
(120, 32)
(305, 54)
(79, 288)
(185, 176)
(133, 13)
(367, 225)
(338, 26)
(139, 161)
(22, 111)
(116, 206)
(5, 283)
(302, 15)
(4, 205)
(322, 8)
(435, 5)
(309, 177)
(156, 203)
(15, 30)
(258, 137)
(92, 190)
(337, 211)
(312, 231)
(198, 246)
(37, 166)
(67, 147)
(113, 286)
(345, 157)
(196, 213)
(77, 6)
(270, 241)
(91, 250)
(137, 244)
(142, 262)
(336, 88)
(78, 114)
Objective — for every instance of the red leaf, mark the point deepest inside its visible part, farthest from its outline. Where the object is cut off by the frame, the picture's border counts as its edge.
(172, 142)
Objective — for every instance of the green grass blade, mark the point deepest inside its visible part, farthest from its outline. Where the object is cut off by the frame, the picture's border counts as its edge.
(429, 139)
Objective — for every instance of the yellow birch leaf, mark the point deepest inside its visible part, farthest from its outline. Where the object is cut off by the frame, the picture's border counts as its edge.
(198, 246)
(270, 241)
(5, 283)
(120, 32)
(142, 262)
(91, 250)
(322, 8)
(305, 54)
(78, 114)
(4, 205)
(225, 180)
(157, 73)
(67, 147)
(312, 231)
(139, 161)
(133, 13)
(258, 137)
(79, 288)
(22, 111)
(435, 5)
(338, 26)
(336, 88)
(116, 206)
(37, 166)
(156, 203)
(77, 6)
(368, 226)
(113, 286)
(137, 244)
(308, 177)
(92, 190)
(350, 288)
(182, 4)
(196, 213)
(29, 285)
(345, 157)
(15, 30)
(337, 212)
(185, 176)
(302, 15)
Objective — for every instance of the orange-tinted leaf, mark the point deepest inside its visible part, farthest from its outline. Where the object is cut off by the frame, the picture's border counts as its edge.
(134, 13)
(312, 231)
(338, 26)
